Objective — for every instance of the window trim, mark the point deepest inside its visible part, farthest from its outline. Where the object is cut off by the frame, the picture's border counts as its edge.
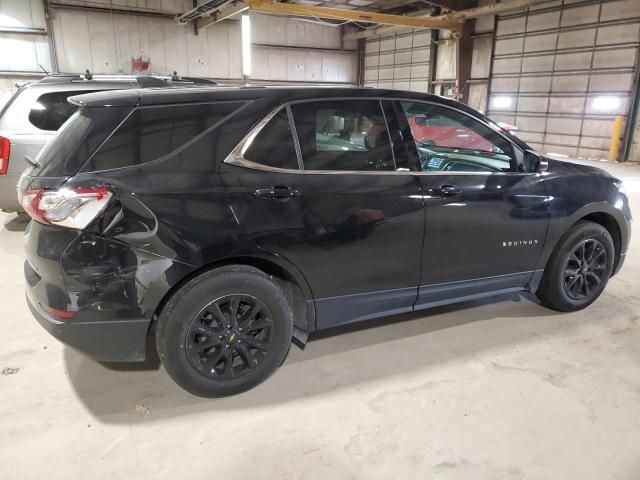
(236, 156)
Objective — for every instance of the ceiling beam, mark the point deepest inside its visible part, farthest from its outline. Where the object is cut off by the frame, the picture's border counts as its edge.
(268, 6)
(459, 16)
(222, 14)
(449, 4)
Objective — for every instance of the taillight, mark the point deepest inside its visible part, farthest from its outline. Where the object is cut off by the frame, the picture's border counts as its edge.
(5, 150)
(62, 314)
(67, 207)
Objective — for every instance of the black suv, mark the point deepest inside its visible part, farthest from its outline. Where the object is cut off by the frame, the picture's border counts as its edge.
(227, 221)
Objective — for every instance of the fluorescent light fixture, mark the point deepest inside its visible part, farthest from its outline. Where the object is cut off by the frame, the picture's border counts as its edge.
(502, 102)
(606, 104)
(246, 45)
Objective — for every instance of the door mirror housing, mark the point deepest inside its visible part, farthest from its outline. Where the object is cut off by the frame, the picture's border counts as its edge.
(534, 162)
(422, 120)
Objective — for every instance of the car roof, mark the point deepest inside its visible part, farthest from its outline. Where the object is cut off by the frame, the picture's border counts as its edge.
(272, 95)
(176, 95)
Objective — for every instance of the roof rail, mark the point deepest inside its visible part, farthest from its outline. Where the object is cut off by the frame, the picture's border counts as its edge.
(146, 81)
(59, 77)
(204, 81)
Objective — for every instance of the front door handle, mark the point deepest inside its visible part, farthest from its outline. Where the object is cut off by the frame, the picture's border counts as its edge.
(279, 192)
(446, 191)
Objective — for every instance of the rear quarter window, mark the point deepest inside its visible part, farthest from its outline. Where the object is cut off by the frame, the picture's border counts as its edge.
(153, 133)
(77, 139)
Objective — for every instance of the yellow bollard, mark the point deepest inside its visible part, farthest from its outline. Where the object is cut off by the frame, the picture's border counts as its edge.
(615, 139)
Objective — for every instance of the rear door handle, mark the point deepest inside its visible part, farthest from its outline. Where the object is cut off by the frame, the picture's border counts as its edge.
(446, 190)
(279, 192)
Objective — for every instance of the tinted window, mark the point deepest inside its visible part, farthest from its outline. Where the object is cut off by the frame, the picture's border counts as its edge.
(448, 140)
(273, 146)
(51, 110)
(151, 133)
(343, 135)
(77, 139)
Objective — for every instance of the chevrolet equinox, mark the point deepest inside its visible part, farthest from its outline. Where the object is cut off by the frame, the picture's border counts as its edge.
(223, 222)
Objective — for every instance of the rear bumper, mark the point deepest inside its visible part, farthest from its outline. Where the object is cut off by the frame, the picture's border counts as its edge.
(93, 293)
(8, 192)
(107, 341)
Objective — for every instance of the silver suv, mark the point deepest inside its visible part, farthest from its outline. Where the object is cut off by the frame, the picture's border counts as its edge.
(37, 109)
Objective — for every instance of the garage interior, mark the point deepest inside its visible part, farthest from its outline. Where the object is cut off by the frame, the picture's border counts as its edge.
(498, 388)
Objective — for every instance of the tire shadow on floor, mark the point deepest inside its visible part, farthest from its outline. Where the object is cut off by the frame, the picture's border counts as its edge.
(332, 360)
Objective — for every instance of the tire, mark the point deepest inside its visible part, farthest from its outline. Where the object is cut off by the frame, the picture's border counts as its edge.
(562, 291)
(197, 336)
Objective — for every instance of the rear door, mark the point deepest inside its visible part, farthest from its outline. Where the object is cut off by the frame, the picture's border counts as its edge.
(486, 219)
(334, 205)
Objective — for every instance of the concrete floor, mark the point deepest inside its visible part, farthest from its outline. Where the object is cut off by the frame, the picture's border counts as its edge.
(500, 389)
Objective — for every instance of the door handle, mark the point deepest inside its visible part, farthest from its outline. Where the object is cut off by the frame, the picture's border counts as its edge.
(446, 191)
(279, 192)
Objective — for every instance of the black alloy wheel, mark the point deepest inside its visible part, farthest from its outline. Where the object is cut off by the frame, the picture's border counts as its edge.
(225, 331)
(230, 336)
(579, 268)
(585, 269)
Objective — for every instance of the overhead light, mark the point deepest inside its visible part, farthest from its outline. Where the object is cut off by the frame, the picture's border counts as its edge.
(606, 104)
(246, 45)
(501, 102)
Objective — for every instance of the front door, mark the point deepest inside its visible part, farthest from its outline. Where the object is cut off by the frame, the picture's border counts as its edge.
(334, 206)
(486, 220)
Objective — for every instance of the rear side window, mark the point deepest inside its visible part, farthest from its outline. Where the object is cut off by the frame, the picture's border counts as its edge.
(343, 135)
(151, 133)
(77, 139)
(51, 110)
(273, 146)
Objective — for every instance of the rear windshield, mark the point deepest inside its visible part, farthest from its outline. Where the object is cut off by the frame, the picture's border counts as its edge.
(52, 109)
(77, 139)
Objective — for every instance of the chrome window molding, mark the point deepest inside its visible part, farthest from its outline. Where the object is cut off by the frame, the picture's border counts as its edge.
(236, 157)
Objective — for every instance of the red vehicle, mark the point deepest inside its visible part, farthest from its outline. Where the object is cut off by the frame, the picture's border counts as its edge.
(444, 132)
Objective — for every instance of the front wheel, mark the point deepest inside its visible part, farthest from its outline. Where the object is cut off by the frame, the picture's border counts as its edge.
(579, 268)
(225, 331)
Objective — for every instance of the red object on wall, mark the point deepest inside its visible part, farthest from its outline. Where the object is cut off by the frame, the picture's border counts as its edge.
(140, 64)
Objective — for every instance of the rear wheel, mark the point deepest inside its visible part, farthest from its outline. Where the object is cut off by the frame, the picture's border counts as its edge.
(225, 331)
(579, 268)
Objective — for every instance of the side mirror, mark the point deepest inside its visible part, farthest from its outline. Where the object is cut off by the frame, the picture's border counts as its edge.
(534, 162)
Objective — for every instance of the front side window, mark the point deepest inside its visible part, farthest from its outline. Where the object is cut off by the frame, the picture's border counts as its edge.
(448, 140)
(343, 135)
(51, 110)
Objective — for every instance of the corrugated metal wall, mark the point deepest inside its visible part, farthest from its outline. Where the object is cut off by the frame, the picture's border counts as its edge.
(399, 61)
(481, 60)
(286, 49)
(562, 71)
(21, 53)
(106, 43)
